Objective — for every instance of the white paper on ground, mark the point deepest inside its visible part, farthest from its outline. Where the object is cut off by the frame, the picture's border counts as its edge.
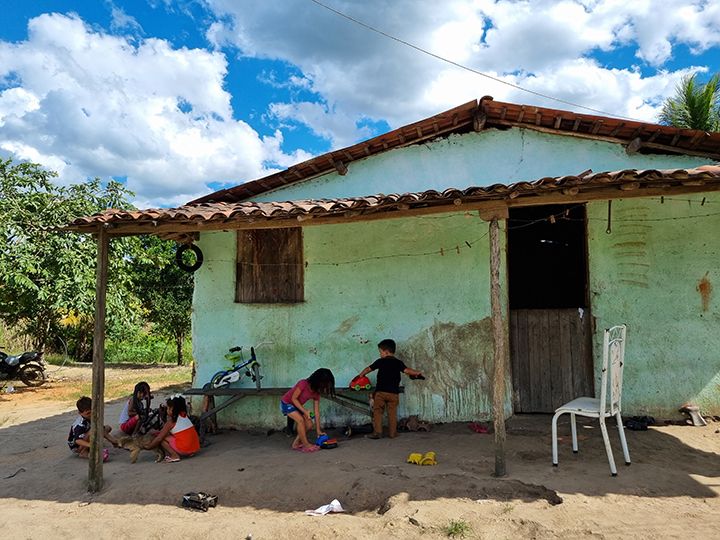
(334, 506)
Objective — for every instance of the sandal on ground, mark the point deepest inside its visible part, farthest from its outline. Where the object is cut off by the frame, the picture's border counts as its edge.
(169, 459)
(315, 448)
(296, 447)
(106, 453)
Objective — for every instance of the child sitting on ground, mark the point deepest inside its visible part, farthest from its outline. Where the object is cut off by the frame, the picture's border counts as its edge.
(79, 436)
(136, 410)
(178, 436)
(291, 405)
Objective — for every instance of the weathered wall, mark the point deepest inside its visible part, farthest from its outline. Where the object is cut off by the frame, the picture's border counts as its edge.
(476, 159)
(363, 282)
(655, 272)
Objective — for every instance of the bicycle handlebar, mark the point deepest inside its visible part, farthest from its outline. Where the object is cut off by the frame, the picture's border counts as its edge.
(240, 348)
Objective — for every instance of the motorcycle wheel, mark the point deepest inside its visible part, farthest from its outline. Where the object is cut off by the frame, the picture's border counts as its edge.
(256, 375)
(215, 381)
(32, 375)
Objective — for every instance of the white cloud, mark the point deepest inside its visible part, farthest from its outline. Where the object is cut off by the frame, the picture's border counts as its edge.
(87, 104)
(546, 45)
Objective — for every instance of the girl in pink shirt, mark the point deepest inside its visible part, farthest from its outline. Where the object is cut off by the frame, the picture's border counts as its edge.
(291, 405)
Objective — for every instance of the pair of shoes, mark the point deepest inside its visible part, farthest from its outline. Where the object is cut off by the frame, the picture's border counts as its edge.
(429, 459)
(374, 436)
(315, 448)
(639, 423)
(415, 458)
(478, 427)
(169, 459)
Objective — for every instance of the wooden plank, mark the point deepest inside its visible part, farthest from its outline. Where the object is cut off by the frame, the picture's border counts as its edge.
(557, 396)
(534, 361)
(524, 357)
(95, 465)
(544, 358)
(220, 407)
(577, 347)
(588, 355)
(565, 359)
(516, 386)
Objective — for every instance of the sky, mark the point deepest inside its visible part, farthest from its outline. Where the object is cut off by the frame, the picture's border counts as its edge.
(179, 98)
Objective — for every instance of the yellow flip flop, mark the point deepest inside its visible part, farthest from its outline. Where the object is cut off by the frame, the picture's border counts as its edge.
(429, 459)
(414, 458)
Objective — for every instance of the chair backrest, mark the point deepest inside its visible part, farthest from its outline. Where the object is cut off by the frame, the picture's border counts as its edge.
(613, 362)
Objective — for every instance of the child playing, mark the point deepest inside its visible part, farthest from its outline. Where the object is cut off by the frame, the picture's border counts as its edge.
(178, 436)
(387, 389)
(79, 436)
(135, 412)
(291, 405)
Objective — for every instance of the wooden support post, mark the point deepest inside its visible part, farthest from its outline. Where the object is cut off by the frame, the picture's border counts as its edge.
(500, 349)
(95, 468)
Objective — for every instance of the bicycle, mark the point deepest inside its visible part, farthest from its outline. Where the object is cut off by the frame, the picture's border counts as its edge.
(230, 375)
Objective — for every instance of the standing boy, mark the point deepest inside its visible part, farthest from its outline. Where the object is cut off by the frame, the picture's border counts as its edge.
(79, 436)
(387, 389)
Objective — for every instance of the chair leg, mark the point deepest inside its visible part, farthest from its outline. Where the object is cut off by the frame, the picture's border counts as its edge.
(554, 439)
(626, 452)
(608, 449)
(573, 426)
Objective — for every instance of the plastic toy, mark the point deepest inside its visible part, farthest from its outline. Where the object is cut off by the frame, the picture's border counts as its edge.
(323, 441)
(358, 383)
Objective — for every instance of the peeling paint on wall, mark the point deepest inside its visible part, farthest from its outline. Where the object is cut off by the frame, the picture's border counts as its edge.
(457, 361)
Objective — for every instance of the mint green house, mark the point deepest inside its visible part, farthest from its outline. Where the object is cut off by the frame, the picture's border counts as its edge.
(602, 222)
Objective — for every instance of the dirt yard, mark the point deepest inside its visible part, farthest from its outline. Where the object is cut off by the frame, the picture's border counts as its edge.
(670, 491)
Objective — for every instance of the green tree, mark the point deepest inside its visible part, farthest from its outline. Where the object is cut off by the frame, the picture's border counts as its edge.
(48, 277)
(695, 105)
(165, 290)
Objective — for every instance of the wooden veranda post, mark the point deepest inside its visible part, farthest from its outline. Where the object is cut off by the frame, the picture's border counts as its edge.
(95, 468)
(499, 346)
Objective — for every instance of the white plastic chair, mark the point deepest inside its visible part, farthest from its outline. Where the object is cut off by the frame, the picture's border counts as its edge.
(614, 354)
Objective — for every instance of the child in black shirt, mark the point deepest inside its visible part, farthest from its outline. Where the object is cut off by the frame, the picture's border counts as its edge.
(387, 389)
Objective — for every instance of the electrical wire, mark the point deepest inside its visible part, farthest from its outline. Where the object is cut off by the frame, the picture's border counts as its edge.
(471, 70)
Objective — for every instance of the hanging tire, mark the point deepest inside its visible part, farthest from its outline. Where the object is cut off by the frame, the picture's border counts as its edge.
(32, 375)
(198, 257)
(256, 375)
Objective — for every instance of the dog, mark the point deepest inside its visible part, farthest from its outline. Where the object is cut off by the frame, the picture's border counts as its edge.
(135, 444)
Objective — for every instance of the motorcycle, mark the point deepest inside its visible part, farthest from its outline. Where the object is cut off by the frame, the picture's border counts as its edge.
(29, 367)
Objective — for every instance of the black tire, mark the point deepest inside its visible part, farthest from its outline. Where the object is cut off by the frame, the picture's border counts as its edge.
(216, 378)
(198, 257)
(256, 375)
(32, 375)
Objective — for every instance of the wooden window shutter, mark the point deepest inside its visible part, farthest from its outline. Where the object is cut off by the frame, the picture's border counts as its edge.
(270, 266)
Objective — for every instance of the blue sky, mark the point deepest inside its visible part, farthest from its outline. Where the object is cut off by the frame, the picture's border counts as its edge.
(178, 98)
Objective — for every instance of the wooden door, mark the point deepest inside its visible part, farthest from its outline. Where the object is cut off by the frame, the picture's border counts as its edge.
(550, 330)
(551, 358)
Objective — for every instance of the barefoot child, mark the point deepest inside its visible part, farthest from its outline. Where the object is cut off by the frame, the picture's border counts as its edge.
(79, 436)
(178, 436)
(291, 405)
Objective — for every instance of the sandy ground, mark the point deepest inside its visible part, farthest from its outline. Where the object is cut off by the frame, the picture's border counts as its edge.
(670, 491)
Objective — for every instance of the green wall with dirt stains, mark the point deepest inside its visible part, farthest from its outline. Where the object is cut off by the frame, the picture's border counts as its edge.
(363, 283)
(386, 279)
(655, 271)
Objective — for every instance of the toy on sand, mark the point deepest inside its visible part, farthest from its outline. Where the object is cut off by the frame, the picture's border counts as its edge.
(323, 441)
(358, 383)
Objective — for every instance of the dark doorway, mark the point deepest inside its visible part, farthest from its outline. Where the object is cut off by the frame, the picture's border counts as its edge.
(547, 262)
(550, 333)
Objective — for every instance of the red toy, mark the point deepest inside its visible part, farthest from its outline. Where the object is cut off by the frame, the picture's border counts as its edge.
(358, 383)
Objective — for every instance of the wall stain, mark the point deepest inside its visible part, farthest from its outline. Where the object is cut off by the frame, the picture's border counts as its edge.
(346, 325)
(457, 361)
(705, 288)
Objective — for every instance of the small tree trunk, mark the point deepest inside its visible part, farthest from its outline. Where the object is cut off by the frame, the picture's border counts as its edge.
(179, 340)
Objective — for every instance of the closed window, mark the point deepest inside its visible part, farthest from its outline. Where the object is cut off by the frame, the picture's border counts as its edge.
(270, 266)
